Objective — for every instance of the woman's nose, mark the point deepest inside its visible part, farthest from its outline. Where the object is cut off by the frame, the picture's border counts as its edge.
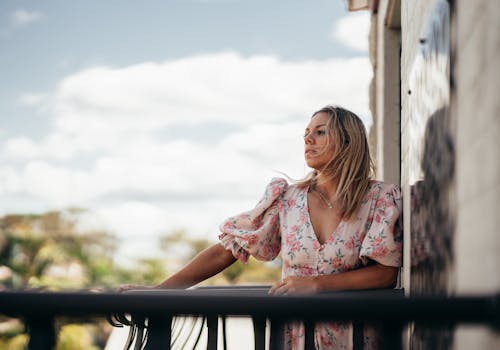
(308, 139)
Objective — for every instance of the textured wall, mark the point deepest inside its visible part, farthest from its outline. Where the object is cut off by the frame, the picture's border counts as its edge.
(477, 75)
(454, 200)
(426, 180)
(477, 237)
(429, 164)
(413, 15)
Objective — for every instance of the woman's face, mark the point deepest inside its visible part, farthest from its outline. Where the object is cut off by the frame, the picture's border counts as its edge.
(318, 151)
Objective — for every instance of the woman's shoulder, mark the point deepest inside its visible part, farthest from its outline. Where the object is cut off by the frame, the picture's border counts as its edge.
(278, 182)
(276, 187)
(380, 188)
(382, 184)
(281, 186)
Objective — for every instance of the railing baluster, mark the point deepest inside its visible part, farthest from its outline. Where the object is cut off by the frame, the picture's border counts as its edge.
(277, 331)
(224, 332)
(391, 336)
(358, 335)
(259, 332)
(213, 330)
(159, 333)
(309, 335)
(42, 333)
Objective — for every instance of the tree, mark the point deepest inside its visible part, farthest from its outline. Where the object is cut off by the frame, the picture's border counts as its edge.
(50, 251)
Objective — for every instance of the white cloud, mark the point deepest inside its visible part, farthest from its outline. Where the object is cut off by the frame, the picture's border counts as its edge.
(132, 218)
(224, 87)
(9, 180)
(21, 147)
(98, 108)
(278, 145)
(352, 31)
(31, 99)
(23, 17)
(112, 117)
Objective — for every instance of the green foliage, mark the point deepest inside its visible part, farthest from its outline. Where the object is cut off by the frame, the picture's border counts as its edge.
(48, 250)
(75, 337)
(254, 272)
(261, 272)
(233, 272)
(18, 342)
(150, 271)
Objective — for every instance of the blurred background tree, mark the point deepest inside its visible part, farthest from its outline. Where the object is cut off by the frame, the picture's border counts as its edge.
(50, 251)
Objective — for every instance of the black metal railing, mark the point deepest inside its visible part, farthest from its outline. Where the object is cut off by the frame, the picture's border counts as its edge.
(151, 312)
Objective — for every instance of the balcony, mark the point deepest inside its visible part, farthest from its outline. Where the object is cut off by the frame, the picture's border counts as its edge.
(150, 312)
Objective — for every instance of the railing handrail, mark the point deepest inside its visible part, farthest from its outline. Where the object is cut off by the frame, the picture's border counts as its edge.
(390, 305)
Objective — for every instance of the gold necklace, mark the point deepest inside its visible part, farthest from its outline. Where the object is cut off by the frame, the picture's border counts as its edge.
(327, 202)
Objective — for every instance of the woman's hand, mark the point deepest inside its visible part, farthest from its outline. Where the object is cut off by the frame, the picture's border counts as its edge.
(369, 277)
(295, 286)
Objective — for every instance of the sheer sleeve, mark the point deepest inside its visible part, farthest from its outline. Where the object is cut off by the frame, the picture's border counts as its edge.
(256, 232)
(384, 240)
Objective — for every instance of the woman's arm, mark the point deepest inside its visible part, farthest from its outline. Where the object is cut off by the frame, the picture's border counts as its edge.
(373, 276)
(206, 264)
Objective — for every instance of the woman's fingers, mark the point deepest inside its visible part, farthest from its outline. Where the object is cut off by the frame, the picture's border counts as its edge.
(279, 288)
(293, 285)
(126, 287)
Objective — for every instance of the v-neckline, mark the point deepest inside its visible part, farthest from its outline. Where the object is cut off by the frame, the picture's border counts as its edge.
(315, 236)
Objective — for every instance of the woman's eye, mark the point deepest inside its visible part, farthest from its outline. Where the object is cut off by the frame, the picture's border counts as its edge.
(320, 132)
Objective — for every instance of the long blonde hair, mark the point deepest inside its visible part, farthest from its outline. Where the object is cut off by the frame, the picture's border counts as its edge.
(351, 165)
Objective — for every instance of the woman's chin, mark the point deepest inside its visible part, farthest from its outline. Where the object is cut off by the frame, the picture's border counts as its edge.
(311, 163)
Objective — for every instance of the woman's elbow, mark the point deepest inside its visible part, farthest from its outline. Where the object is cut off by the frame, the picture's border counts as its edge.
(225, 256)
(388, 276)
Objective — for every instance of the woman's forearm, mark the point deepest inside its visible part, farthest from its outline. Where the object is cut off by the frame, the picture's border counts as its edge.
(204, 265)
(373, 276)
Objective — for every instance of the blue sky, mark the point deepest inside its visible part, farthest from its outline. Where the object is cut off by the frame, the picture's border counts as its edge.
(158, 115)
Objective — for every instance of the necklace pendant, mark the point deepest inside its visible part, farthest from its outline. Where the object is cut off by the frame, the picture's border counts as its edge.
(323, 198)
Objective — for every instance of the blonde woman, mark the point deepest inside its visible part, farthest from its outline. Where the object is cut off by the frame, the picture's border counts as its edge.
(336, 229)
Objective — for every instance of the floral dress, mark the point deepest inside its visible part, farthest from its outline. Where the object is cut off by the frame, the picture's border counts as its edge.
(280, 222)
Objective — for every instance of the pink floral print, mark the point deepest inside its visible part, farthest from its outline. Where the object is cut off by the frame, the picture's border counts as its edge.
(280, 223)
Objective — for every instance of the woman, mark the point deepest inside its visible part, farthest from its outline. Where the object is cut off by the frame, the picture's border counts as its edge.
(336, 229)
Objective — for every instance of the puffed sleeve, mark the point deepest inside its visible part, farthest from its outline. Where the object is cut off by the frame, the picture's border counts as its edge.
(383, 242)
(256, 232)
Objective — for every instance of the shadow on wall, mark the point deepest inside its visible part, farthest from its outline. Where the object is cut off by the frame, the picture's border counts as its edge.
(433, 225)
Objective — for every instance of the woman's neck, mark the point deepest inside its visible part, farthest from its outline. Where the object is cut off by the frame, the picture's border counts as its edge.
(327, 186)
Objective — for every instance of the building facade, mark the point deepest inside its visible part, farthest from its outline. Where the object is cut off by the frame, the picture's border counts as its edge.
(436, 108)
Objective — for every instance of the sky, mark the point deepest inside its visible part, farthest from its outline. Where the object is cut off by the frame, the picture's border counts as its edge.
(163, 115)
